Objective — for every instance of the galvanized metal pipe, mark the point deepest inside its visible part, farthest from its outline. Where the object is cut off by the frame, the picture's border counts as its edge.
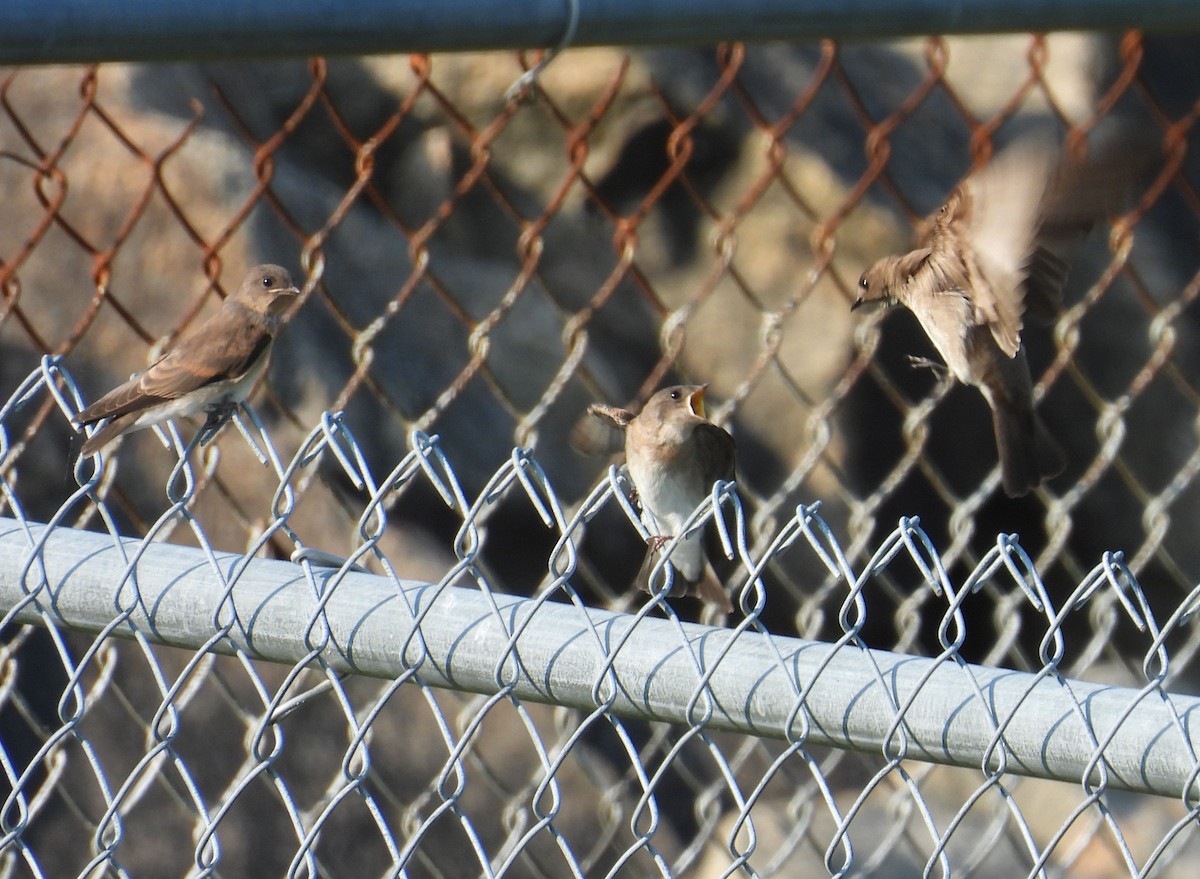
(37, 31)
(850, 695)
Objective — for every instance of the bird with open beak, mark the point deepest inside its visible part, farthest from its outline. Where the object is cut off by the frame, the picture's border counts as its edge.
(675, 455)
(981, 266)
(210, 372)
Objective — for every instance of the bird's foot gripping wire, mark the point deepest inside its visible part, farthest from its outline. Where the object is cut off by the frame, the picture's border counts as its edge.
(658, 541)
(217, 416)
(938, 369)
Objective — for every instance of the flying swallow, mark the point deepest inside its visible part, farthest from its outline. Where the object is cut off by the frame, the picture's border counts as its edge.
(981, 267)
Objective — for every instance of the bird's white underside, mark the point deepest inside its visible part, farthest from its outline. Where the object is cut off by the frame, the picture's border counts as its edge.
(947, 336)
(666, 506)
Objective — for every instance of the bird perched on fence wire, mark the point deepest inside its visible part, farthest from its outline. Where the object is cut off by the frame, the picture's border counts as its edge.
(211, 371)
(675, 455)
(987, 256)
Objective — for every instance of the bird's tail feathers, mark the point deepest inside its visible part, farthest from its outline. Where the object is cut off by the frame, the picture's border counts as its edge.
(1051, 459)
(711, 591)
(107, 434)
(706, 587)
(1016, 447)
(1028, 453)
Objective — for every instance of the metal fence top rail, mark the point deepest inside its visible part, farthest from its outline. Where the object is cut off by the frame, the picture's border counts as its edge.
(33, 31)
(843, 695)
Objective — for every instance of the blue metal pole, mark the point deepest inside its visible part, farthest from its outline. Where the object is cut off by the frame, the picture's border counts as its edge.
(51, 31)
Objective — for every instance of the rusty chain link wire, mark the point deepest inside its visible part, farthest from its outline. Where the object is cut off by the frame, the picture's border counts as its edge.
(476, 271)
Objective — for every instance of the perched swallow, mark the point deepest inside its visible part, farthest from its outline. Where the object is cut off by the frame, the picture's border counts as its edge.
(211, 371)
(983, 265)
(674, 455)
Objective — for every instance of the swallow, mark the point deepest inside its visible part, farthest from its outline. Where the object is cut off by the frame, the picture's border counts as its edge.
(674, 455)
(981, 267)
(210, 372)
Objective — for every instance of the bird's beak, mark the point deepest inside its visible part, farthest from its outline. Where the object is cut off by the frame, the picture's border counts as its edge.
(283, 299)
(857, 303)
(696, 401)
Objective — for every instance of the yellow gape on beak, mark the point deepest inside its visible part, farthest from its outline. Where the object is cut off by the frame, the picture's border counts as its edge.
(696, 401)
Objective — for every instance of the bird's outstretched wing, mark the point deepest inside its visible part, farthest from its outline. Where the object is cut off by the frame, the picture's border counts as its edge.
(995, 218)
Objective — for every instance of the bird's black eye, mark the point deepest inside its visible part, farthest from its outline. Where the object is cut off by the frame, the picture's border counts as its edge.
(674, 395)
(268, 282)
(862, 282)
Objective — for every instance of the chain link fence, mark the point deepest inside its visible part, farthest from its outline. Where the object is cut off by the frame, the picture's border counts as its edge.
(921, 677)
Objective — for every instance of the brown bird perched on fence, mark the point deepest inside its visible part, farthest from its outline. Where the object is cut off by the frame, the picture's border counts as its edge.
(211, 371)
(987, 256)
(674, 455)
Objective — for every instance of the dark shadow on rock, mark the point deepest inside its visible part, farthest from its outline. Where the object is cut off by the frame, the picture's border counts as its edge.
(644, 160)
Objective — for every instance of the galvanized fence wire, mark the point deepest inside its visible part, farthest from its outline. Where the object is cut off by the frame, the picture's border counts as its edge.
(731, 778)
(380, 547)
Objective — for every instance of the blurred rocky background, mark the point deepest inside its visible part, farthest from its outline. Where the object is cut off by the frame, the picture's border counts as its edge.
(483, 270)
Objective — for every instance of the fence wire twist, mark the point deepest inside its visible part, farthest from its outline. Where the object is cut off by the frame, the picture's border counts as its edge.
(476, 271)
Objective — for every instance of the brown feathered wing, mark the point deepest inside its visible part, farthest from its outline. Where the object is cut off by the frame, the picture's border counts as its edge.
(228, 346)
